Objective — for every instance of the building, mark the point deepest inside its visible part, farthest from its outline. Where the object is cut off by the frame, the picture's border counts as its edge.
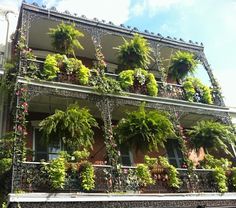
(35, 98)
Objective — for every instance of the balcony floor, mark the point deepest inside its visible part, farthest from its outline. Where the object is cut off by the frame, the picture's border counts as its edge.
(122, 200)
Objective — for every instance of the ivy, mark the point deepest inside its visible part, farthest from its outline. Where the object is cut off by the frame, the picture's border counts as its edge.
(233, 176)
(51, 68)
(220, 166)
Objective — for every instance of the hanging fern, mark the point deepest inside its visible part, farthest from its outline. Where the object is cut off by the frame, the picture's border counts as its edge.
(134, 54)
(182, 63)
(65, 38)
(144, 130)
(73, 127)
(212, 136)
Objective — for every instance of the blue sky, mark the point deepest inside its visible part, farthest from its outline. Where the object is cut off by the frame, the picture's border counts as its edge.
(212, 22)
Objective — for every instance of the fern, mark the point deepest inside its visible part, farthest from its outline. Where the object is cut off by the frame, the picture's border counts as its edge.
(65, 38)
(182, 63)
(144, 130)
(134, 54)
(73, 127)
(212, 135)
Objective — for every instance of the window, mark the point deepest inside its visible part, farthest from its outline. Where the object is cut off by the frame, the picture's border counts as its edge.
(44, 150)
(174, 153)
(126, 156)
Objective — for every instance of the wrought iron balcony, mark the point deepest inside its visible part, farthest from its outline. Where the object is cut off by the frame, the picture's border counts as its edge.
(35, 179)
(33, 68)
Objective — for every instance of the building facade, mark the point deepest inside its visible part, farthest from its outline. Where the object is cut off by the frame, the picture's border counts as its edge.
(34, 98)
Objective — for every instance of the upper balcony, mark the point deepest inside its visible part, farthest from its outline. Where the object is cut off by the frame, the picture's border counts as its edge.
(109, 37)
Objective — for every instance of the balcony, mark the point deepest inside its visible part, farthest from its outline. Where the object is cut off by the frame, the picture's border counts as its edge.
(34, 179)
(165, 90)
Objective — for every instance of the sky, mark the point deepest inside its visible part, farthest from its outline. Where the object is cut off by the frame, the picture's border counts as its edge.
(212, 22)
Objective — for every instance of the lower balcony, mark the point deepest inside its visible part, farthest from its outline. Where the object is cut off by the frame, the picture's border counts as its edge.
(34, 179)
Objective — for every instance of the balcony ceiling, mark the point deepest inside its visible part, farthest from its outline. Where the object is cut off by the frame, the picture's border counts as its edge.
(40, 42)
(48, 104)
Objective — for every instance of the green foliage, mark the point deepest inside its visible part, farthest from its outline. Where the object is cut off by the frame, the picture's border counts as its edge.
(81, 155)
(221, 179)
(5, 165)
(87, 176)
(65, 38)
(212, 136)
(51, 68)
(60, 63)
(211, 163)
(126, 79)
(173, 175)
(143, 175)
(233, 176)
(144, 130)
(220, 166)
(132, 80)
(105, 85)
(150, 161)
(57, 172)
(195, 91)
(182, 63)
(83, 75)
(152, 85)
(6, 152)
(134, 54)
(73, 127)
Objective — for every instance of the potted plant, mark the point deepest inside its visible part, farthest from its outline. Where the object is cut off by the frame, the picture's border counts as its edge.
(134, 53)
(65, 38)
(73, 127)
(138, 81)
(195, 91)
(212, 135)
(181, 64)
(144, 130)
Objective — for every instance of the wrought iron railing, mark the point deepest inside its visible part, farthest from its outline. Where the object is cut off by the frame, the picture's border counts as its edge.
(35, 179)
(34, 68)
